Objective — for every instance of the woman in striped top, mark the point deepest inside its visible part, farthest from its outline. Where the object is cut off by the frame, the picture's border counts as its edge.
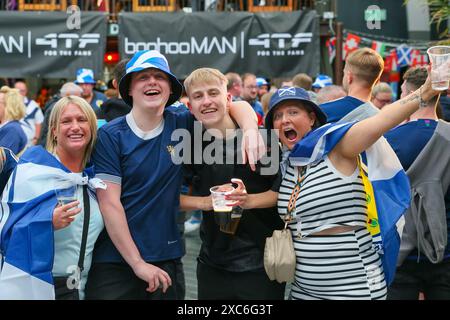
(327, 200)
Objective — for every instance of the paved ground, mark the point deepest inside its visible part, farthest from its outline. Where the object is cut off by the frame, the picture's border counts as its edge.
(190, 264)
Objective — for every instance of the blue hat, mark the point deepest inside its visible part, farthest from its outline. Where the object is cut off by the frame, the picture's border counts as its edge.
(321, 81)
(295, 94)
(146, 59)
(85, 76)
(261, 82)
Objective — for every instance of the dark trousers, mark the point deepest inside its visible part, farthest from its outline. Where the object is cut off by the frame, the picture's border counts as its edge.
(412, 277)
(214, 284)
(117, 281)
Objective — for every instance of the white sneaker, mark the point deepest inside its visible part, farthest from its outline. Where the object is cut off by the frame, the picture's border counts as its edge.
(192, 224)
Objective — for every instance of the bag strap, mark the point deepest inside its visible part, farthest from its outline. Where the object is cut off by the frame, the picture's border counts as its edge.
(294, 196)
(87, 215)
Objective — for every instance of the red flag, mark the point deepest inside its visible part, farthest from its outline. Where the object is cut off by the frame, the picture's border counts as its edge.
(101, 5)
(351, 44)
(418, 59)
(390, 62)
(331, 45)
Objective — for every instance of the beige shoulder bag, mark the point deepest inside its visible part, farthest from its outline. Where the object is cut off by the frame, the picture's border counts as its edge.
(279, 254)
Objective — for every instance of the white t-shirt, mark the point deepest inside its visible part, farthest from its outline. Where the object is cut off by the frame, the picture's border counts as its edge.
(68, 242)
(33, 116)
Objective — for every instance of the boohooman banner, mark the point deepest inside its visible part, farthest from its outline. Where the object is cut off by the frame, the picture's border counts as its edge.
(275, 44)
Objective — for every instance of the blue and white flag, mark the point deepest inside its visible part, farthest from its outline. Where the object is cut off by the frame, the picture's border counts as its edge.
(26, 227)
(404, 56)
(389, 181)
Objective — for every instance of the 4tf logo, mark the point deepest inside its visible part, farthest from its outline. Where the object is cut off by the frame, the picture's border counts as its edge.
(69, 39)
(68, 44)
(280, 44)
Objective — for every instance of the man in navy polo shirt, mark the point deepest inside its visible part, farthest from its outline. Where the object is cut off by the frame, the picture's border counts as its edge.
(140, 248)
(362, 71)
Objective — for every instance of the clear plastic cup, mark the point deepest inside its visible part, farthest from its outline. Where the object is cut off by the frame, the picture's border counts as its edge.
(66, 195)
(218, 194)
(229, 221)
(226, 216)
(439, 56)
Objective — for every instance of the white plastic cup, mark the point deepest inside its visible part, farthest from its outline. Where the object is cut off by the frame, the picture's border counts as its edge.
(218, 194)
(223, 211)
(439, 56)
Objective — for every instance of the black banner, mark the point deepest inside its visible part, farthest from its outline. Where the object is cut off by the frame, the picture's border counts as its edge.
(275, 44)
(51, 44)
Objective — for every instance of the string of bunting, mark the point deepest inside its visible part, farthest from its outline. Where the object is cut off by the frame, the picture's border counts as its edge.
(396, 52)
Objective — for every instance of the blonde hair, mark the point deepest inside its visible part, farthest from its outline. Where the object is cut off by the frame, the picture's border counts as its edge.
(14, 105)
(54, 124)
(366, 64)
(204, 75)
(2, 158)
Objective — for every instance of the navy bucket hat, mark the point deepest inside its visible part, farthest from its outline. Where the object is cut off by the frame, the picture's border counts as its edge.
(146, 59)
(293, 94)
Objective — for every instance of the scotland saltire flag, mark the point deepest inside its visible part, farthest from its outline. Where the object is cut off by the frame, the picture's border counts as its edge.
(404, 55)
(390, 184)
(26, 227)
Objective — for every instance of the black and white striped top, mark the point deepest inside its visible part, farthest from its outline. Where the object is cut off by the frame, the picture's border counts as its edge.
(327, 199)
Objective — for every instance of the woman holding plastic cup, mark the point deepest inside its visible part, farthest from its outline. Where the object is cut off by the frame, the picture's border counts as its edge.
(323, 195)
(66, 233)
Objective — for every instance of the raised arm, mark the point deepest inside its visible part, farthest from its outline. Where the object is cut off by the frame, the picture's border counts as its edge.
(117, 227)
(366, 132)
(253, 147)
(243, 113)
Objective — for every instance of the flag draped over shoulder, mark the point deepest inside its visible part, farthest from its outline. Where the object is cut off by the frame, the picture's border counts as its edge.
(26, 227)
(391, 190)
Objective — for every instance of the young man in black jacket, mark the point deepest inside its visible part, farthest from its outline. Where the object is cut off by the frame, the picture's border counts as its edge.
(230, 266)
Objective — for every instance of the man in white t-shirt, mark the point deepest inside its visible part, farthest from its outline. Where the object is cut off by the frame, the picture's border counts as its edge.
(32, 122)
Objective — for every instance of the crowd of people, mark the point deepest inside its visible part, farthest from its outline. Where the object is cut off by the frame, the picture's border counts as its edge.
(120, 235)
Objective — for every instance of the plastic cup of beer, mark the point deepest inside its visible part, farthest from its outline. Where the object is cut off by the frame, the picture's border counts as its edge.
(439, 57)
(66, 195)
(223, 211)
(218, 194)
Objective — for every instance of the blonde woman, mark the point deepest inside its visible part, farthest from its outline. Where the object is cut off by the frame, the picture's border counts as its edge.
(66, 233)
(12, 110)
